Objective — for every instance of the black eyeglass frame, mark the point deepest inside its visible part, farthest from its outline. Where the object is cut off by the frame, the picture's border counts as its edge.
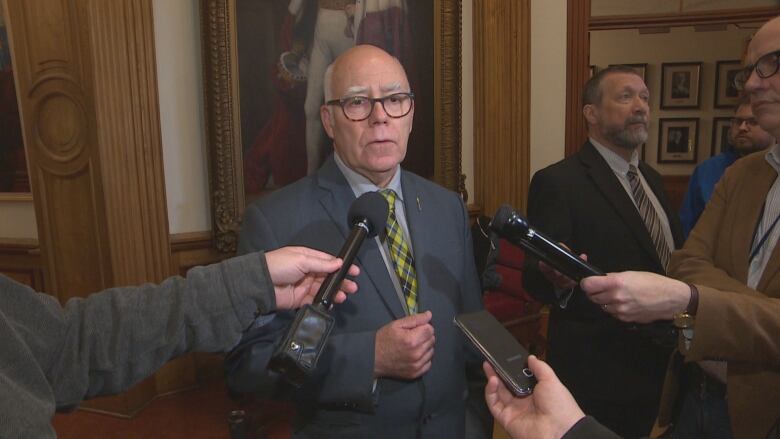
(373, 101)
(741, 78)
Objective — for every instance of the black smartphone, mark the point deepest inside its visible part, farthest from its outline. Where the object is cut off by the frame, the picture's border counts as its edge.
(508, 357)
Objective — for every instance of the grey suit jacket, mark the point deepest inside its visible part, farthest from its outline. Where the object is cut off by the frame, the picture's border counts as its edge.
(339, 401)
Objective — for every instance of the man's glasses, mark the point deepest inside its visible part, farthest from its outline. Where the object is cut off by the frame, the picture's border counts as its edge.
(357, 108)
(765, 67)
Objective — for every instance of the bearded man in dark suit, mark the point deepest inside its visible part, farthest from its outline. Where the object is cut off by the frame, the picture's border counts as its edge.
(604, 202)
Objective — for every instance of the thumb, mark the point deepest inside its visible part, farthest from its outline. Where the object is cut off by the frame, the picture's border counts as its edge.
(314, 264)
(416, 320)
(541, 370)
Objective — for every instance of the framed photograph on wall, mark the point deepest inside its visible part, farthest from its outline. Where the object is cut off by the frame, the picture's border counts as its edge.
(678, 140)
(640, 68)
(726, 93)
(260, 70)
(680, 85)
(720, 134)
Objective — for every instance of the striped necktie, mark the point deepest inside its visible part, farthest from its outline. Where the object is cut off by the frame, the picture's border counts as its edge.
(403, 261)
(649, 216)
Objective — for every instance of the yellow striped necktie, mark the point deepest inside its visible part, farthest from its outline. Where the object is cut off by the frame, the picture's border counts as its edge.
(403, 261)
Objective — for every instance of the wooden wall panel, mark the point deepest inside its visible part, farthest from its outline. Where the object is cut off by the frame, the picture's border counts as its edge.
(501, 103)
(86, 78)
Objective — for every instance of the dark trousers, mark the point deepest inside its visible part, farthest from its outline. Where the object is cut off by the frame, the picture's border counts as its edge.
(629, 419)
(704, 413)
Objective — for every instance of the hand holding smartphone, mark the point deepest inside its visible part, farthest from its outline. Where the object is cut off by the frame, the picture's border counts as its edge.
(500, 349)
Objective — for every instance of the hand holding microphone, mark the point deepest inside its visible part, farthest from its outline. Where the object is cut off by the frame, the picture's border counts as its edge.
(297, 354)
(514, 228)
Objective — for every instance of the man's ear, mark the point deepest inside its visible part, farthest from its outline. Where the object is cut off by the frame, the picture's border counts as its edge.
(589, 111)
(326, 116)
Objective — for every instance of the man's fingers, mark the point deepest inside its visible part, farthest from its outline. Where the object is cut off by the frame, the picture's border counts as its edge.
(415, 320)
(597, 284)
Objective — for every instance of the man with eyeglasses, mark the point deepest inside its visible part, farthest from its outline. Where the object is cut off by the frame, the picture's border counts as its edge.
(728, 310)
(395, 365)
(744, 137)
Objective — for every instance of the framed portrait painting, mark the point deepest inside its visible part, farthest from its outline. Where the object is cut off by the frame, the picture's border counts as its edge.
(677, 140)
(680, 85)
(720, 134)
(14, 181)
(726, 93)
(263, 78)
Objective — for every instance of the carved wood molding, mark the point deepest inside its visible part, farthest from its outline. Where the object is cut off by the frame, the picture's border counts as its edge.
(448, 105)
(577, 71)
(683, 19)
(218, 33)
(218, 39)
(501, 103)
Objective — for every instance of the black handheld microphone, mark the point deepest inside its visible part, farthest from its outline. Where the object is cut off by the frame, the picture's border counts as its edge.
(514, 228)
(296, 356)
(367, 217)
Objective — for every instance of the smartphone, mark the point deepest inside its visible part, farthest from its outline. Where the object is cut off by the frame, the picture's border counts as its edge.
(508, 357)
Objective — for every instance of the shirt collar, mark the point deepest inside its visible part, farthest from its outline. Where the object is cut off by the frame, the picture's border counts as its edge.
(773, 157)
(618, 164)
(360, 184)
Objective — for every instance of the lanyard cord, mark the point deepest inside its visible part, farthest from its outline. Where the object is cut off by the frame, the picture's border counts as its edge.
(763, 239)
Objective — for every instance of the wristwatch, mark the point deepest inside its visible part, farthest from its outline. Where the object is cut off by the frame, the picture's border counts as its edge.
(685, 320)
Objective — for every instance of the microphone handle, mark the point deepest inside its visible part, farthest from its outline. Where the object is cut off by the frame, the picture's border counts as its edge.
(330, 286)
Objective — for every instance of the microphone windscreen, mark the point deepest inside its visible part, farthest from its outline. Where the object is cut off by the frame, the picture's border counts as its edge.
(501, 217)
(372, 207)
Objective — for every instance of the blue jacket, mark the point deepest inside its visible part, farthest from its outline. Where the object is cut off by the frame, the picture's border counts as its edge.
(700, 188)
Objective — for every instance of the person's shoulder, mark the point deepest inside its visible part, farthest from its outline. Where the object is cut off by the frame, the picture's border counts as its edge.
(426, 185)
(292, 194)
(751, 163)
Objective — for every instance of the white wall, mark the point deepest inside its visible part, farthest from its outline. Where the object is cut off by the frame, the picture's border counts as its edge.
(548, 82)
(18, 219)
(180, 83)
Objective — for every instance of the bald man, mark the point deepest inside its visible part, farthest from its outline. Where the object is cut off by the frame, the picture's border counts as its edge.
(395, 365)
(726, 303)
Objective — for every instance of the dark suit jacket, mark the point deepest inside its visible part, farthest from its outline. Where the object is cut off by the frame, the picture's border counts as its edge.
(579, 201)
(338, 401)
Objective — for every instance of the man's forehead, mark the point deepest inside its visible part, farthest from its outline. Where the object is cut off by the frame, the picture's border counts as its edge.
(367, 89)
(766, 40)
(622, 81)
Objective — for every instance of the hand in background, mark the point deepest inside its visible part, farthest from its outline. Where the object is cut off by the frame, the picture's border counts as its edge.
(549, 412)
(637, 296)
(298, 272)
(404, 347)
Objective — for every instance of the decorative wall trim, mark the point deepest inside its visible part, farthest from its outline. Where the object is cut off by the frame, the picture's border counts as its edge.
(683, 19)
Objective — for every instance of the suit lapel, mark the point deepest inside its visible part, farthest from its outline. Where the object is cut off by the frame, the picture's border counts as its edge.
(752, 204)
(609, 185)
(336, 198)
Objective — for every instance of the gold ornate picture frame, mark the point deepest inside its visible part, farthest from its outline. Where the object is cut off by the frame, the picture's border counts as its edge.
(223, 113)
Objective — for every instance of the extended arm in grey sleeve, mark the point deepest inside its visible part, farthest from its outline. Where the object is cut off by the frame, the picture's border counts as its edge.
(111, 340)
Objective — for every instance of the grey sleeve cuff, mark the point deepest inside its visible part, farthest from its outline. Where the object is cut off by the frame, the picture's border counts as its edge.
(249, 286)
